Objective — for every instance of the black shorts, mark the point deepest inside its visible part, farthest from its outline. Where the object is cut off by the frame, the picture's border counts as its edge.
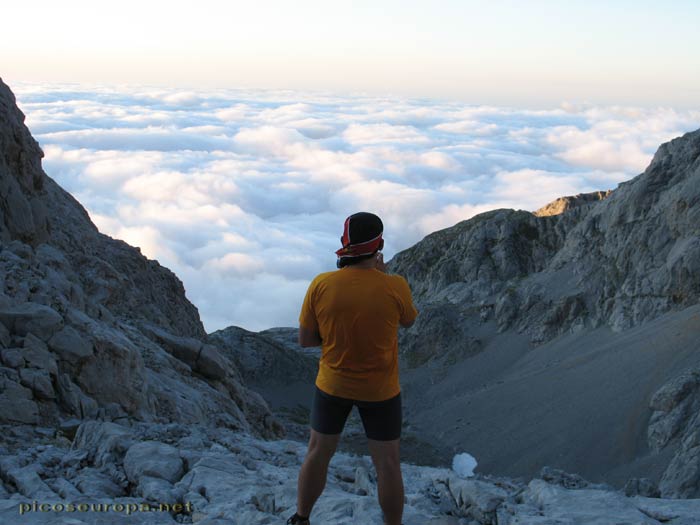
(381, 419)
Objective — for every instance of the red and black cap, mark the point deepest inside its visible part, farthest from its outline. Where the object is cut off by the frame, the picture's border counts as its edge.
(362, 235)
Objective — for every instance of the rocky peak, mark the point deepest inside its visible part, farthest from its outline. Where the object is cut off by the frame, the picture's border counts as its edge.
(629, 258)
(563, 204)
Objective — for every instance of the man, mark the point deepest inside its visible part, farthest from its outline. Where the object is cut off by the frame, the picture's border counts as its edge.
(354, 314)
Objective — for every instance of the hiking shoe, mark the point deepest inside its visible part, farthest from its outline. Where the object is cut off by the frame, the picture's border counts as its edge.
(296, 520)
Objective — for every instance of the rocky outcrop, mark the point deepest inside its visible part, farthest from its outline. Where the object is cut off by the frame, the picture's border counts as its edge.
(262, 360)
(603, 285)
(618, 261)
(103, 275)
(212, 475)
(676, 420)
(564, 204)
(89, 327)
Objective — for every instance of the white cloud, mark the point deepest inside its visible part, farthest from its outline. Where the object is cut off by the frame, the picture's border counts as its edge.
(471, 127)
(243, 193)
(381, 133)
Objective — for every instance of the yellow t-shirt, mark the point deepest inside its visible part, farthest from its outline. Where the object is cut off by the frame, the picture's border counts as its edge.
(357, 313)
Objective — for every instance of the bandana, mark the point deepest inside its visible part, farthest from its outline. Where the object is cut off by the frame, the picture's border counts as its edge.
(365, 247)
(357, 250)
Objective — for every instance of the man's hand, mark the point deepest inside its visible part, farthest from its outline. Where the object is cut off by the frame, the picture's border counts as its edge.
(379, 262)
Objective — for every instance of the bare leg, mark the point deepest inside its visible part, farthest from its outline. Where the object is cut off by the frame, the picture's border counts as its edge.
(313, 473)
(386, 459)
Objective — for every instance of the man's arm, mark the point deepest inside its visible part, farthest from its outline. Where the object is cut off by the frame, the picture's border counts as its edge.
(309, 337)
(381, 266)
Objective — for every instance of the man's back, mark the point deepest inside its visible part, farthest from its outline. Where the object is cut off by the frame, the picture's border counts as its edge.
(357, 312)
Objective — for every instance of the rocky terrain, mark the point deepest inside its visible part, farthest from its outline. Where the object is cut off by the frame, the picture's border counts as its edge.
(89, 327)
(218, 476)
(116, 407)
(555, 336)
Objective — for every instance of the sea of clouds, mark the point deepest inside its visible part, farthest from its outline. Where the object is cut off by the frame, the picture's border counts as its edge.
(243, 193)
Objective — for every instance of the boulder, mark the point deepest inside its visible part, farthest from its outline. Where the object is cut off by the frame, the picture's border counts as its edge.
(476, 499)
(210, 363)
(36, 355)
(153, 459)
(12, 357)
(158, 490)
(38, 319)
(105, 443)
(96, 484)
(681, 479)
(673, 404)
(641, 487)
(201, 357)
(29, 484)
(118, 359)
(16, 404)
(589, 506)
(70, 345)
(65, 489)
(39, 381)
(73, 400)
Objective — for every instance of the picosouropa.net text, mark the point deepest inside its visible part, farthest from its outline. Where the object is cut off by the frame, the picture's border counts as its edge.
(122, 508)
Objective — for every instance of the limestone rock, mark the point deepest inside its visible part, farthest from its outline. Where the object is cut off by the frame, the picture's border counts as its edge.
(153, 459)
(38, 319)
(73, 400)
(106, 443)
(65, 489)
(564, 204)
(4, 336)
(158, 490)
(29, 484)
(39, 381)
(641, 487)
(476, 499)
(211, 363)
(261, 359)
(16, 404)
(96, 484)
(676, 418)
(203, 358)
(610, 264)
(12, 357)
(36, 355)
(70, 345)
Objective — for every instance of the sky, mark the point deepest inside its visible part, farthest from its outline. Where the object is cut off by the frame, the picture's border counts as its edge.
(229, 140)
(534, 53)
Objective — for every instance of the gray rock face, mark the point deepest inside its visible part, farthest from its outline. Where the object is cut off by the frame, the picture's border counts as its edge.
(676, 418)
(524, 293)
(263, 360)
(16, 403)
(70, 345)
(201, 357)
(78, 311)
(618, 262)
(112, 273)
(42, 321)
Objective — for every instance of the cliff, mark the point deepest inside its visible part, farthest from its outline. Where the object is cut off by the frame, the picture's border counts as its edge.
(89, 327)
(546, 336)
